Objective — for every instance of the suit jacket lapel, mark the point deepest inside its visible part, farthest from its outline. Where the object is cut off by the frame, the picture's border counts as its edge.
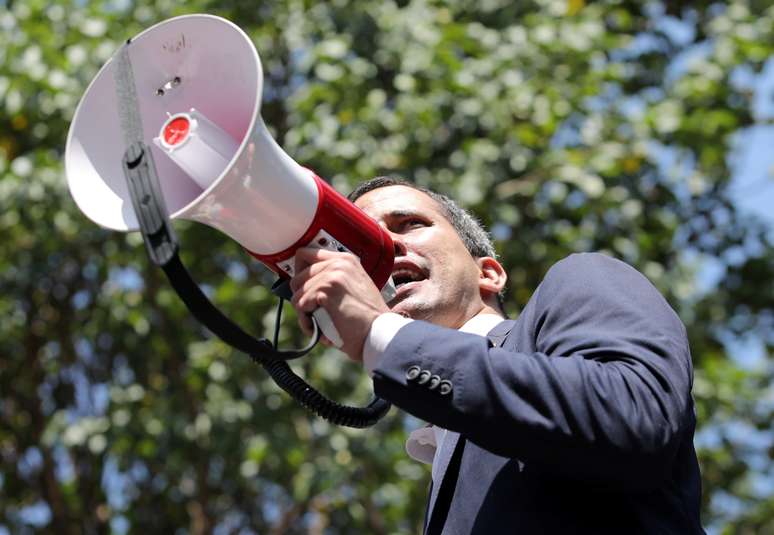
(452, 440)
(500, 332)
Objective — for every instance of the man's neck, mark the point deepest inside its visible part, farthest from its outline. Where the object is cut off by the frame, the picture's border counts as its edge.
(485, 310)
(482, 323)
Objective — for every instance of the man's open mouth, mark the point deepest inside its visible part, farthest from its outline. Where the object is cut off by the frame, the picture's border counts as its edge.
(406, 274)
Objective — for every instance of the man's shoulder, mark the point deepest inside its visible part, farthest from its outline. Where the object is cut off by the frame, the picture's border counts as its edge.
(594, 279)
(592, 263)
(589, 271)
(600, 283)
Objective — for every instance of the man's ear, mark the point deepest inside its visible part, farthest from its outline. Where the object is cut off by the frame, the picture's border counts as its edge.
(492, 277)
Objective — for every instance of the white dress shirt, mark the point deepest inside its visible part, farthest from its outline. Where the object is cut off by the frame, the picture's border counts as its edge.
(422, 443)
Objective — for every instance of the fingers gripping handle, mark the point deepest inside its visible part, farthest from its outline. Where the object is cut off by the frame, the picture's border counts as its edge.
(325, 323)
(327, 327)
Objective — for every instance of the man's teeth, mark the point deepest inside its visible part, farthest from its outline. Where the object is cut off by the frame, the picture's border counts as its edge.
(403, 276)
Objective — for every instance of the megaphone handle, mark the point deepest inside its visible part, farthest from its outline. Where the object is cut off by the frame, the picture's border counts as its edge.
(327, 327)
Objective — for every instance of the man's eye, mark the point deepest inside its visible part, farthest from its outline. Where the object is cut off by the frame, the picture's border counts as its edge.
(413, 223)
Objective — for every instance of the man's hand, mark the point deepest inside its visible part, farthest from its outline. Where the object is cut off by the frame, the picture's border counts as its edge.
(338, 283)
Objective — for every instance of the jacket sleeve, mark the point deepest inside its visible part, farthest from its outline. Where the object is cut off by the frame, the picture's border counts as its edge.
(602, 394)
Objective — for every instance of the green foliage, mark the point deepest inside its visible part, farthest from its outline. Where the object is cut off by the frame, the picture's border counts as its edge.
(565, 126)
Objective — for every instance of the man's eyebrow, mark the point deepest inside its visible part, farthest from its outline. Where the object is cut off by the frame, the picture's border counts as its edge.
(402, 213)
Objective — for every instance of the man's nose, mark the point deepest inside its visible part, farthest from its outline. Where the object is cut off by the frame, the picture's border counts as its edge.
(398, 244)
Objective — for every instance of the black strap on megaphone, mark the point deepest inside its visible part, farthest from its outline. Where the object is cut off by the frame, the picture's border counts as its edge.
(163, 249)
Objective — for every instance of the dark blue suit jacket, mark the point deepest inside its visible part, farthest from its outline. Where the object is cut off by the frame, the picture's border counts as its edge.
(581, 422)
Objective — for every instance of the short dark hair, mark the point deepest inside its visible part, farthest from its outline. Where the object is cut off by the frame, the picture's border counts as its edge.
(471, 232)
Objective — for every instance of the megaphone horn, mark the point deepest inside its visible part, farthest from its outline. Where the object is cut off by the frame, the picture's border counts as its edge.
(198, 82)
(192, 84)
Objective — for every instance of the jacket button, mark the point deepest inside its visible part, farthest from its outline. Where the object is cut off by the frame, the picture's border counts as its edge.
(434, 382)
(445, 387)
(424, 376)
(413, 372)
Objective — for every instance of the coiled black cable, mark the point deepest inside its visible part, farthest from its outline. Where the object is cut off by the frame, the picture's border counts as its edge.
(287, 380)
(267, 355)
(336, 413)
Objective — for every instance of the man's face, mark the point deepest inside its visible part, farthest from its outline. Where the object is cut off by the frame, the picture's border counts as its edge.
(437, 278)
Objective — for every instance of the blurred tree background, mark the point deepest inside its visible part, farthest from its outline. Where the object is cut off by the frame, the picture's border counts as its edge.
(564, 125)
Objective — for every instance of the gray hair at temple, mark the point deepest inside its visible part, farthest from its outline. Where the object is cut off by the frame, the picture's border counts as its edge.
(469, 229)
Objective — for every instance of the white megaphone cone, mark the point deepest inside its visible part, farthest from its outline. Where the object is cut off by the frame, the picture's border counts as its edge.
(199, 81)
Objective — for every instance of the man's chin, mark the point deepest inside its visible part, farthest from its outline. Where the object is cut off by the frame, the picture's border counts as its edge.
(409, 307)
(399, 307)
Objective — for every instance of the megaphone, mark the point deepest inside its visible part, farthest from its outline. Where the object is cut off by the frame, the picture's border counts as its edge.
(186, 94)
(198, 84)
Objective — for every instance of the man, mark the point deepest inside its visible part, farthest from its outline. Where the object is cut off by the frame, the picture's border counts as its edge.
(577, 417)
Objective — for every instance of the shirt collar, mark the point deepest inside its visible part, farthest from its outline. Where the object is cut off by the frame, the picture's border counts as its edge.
(481, 324)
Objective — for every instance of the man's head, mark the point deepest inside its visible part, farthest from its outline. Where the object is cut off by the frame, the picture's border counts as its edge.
(445, 265)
